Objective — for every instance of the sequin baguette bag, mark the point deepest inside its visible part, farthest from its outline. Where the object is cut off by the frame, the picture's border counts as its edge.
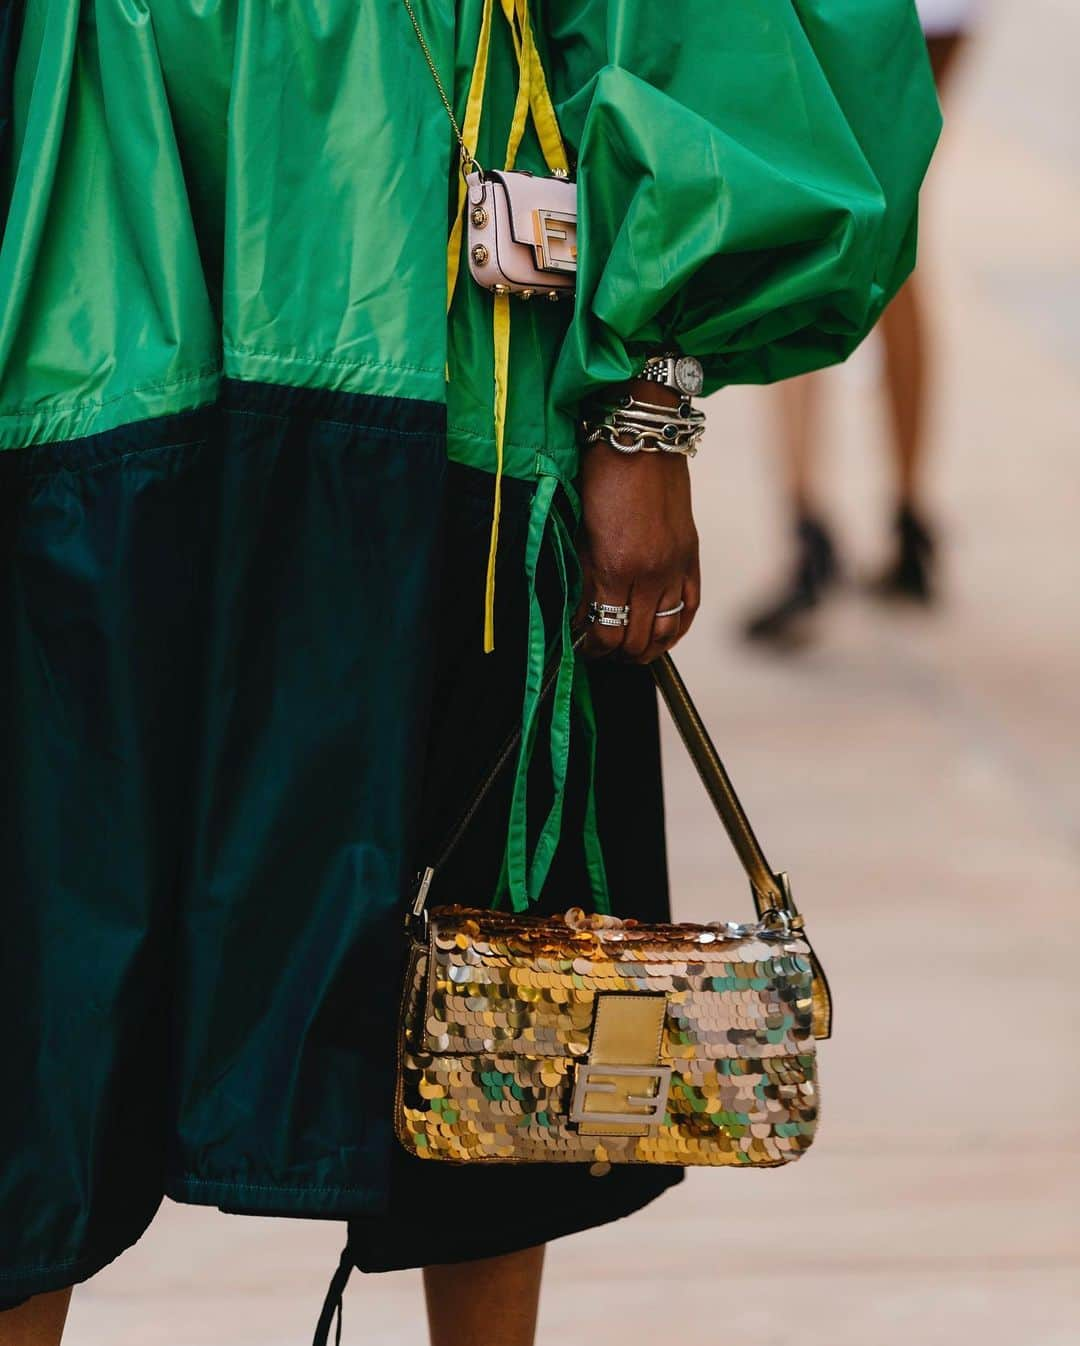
(596, 1040)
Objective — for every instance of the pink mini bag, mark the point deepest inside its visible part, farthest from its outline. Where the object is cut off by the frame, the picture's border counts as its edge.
(522, 233)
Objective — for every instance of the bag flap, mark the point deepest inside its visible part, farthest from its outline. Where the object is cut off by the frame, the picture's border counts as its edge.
(526, 193)
(500, 984)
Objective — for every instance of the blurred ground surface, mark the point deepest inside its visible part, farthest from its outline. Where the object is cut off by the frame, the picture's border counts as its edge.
(919, 777)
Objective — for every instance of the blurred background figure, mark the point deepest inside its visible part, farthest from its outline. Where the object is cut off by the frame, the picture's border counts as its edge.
(786, 620)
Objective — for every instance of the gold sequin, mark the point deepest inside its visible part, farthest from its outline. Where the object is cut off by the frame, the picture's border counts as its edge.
(498, 1020)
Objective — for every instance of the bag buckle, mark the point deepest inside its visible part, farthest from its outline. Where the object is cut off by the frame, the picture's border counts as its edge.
(556, 240)
(643, 1109)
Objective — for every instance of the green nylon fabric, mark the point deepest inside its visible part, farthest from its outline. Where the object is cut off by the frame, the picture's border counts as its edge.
(524, 877)
(198, 186)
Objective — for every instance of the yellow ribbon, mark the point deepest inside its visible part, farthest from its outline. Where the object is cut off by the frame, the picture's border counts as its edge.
(532, 96)
(470, 129)
(501, 328)
(502, 368)
(521, 103)
(543, 110)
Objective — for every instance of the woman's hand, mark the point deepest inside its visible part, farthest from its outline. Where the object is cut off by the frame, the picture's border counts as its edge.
(639, 546)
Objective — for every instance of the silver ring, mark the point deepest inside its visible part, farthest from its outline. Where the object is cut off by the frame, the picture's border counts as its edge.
(610, 614)
(672, 612)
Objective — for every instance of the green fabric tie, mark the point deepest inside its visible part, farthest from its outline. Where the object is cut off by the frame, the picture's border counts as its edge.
(522, 875)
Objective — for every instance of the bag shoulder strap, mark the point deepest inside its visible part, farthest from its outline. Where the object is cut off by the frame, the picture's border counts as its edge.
(771, 890)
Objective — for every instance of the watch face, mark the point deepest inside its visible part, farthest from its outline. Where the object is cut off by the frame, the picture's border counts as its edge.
(689, 375)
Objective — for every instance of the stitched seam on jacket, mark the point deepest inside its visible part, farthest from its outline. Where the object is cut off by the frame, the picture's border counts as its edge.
(89, 1260)
(50, 406)
(452, 430)
(307, 358)
(55, 406)
(219, 1183)
(343, 425)
(78, 471)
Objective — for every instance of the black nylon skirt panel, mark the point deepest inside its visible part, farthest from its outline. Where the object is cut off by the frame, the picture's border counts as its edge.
(476, 700)
(241, 694)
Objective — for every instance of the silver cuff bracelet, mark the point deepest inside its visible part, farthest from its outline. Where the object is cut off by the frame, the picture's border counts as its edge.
(648, 428)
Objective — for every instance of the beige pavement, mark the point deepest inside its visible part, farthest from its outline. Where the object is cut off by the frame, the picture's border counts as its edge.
(919, 777)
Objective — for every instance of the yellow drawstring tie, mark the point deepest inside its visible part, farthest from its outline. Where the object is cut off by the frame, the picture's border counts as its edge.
(502, 367)
(532, 96)
(543, 110)
(524, 877)
(470, 129)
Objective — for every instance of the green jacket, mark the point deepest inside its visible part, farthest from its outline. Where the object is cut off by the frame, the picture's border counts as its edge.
(747, 191)
(748, 179)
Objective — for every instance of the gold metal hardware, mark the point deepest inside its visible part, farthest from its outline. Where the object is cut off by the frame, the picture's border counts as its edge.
(526, 294)
(479, 216)
(623, 1054)
(555, 232)
(641, 1109)
(500, 289)
(480, 254)
(553, 294)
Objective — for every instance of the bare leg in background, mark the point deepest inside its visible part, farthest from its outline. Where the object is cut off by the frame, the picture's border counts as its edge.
(493, 1300)
(799, 408)
(908, 354)
(904, 329)
(788, 619)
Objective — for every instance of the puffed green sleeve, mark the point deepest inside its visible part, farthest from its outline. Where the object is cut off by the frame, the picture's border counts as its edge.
(748, 178)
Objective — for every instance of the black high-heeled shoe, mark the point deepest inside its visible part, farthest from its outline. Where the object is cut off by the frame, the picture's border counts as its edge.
(786, 621)
(910, 576)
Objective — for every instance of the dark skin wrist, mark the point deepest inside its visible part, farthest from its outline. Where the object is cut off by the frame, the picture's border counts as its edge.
(639, 543)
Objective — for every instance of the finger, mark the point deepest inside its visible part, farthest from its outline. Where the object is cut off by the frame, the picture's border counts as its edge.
(588, 588)
(666, 630)
(603, 639)
(644, 600)
(691, 597)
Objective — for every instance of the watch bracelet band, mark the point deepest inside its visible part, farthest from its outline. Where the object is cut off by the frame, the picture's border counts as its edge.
(657, 368)
(672, 369)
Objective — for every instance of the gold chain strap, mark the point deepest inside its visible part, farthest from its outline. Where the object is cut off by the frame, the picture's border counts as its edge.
(468, 159)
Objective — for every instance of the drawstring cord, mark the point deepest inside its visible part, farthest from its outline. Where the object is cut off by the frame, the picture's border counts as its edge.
(523, 876)
(532, 97)
(470, 129)
(333, 1303)
(501, 327)
(594, 852)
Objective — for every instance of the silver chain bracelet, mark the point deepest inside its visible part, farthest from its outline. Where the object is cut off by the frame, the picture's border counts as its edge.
(651, 429)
